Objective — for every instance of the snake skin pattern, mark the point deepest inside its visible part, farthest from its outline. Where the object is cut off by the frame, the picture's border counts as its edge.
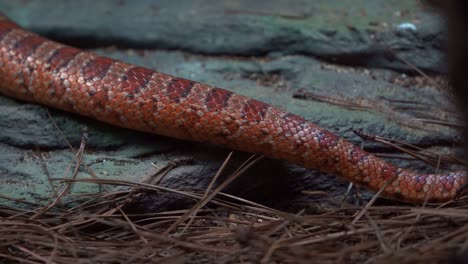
(37, 70)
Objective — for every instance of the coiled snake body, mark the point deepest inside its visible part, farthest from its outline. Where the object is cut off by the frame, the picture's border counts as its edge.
(37, 70)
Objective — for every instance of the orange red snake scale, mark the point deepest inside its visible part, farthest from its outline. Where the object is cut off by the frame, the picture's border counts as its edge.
(37, 70)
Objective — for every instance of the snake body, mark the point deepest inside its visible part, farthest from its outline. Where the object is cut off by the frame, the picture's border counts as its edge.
(38, 70)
